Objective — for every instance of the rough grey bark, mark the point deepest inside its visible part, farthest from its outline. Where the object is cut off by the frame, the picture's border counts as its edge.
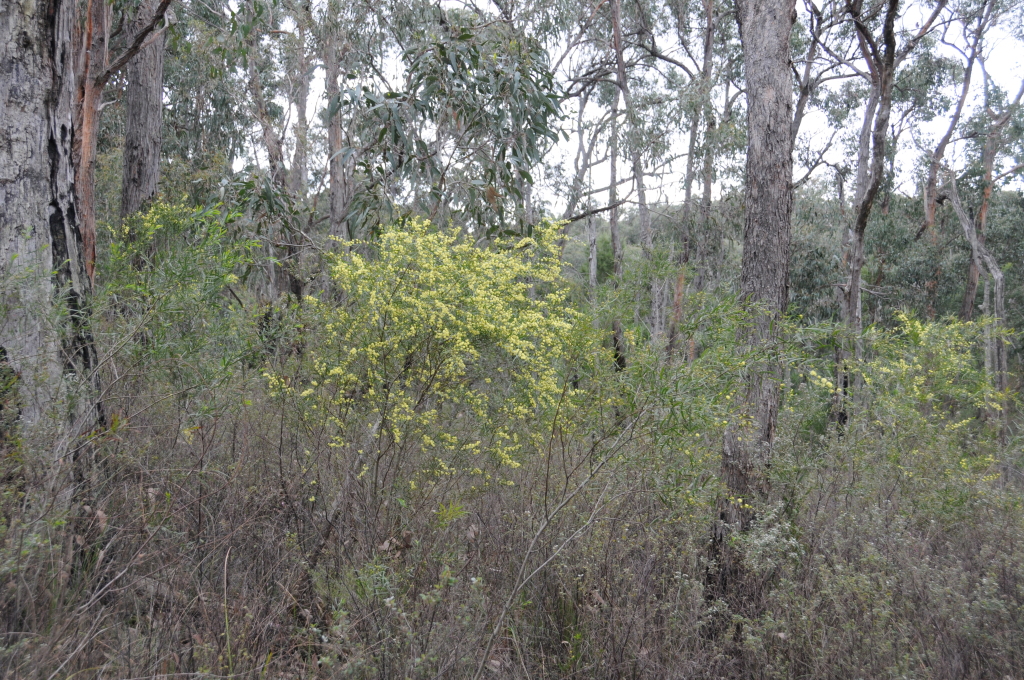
(339, 187)
(298, 176)
(618, 338)
(42, 259)
(143, 117)
(765, 27)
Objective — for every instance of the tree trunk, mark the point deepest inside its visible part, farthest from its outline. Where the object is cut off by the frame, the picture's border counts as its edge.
(644, 213)
(298, 176)
(286, 262)
(271, 139)
(870, 173)
(853, 237)
(765, 27)
(613, 195)
(659, 287)
(703, 239)
(931, 182)
(982, 256)
(42, 256)
(592, 243)
(584, 156)
(971, 288)
(87, 121)
(338, 188)
(688, 178)
(874, 136)
(618, 339)
(643, 210)
(988, 161)
(93, 69)
(986, 307)
(700, 113)
(143, 118)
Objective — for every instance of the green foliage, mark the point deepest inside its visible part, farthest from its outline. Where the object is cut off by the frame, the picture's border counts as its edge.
(436, 448)
(168, 288)
(895, 517)
(489, 101)
(605, 259)
(933, 368)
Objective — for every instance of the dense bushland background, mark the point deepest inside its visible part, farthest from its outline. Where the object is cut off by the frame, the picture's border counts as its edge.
(436, 465)
(434, 431)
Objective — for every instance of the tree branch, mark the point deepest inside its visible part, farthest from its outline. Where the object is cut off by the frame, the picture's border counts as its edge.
(595, 211)
(1015, 169)
(658, 54)
(137, 44)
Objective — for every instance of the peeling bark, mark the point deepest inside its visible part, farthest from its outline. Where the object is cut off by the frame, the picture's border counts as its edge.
(982, 256)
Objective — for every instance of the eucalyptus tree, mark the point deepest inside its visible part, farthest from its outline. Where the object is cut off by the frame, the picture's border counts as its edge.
(708, 79)
(44, 336)
(475, 114)
(626, 45)
(263, 42)
(332, 48)
(972, 22)
(96, 34)
(206, 120)
(144, 102)
(997, 133)
(882, 49)
(765, 28)
(994, 130)
(632, 115)
(588, 73)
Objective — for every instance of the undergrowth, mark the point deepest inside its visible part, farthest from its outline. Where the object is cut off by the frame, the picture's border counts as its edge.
(435, 469)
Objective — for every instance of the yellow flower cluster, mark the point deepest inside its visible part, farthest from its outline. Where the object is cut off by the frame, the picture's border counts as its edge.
(441, 346)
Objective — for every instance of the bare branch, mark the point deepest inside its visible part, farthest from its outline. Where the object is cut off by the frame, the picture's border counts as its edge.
(142, 39)
(595, 211)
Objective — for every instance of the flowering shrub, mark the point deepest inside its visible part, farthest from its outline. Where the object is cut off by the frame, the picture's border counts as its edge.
(932, 367)
(440, 348)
